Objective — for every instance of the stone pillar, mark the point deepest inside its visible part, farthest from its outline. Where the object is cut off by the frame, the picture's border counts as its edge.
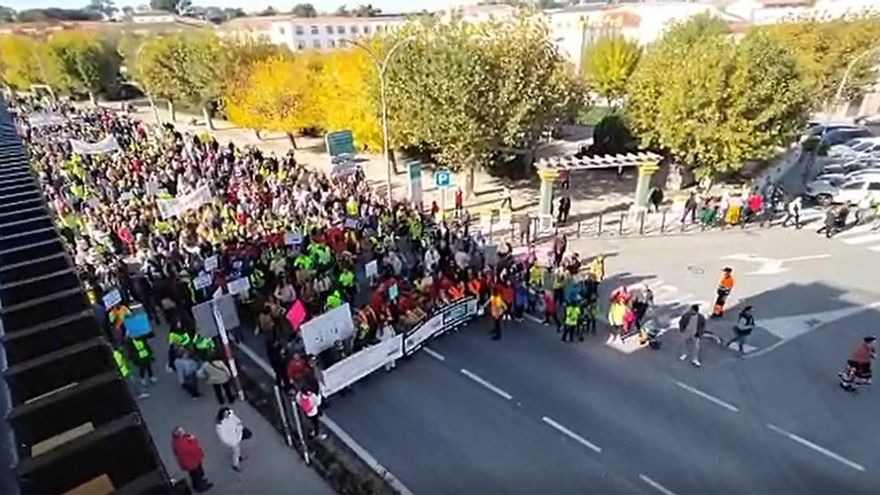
(545, 205)
(643, 185)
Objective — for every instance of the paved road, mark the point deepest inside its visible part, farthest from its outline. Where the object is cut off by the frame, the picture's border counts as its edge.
(532, 414)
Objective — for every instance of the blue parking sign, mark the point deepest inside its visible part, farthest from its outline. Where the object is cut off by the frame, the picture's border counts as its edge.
(442, 179)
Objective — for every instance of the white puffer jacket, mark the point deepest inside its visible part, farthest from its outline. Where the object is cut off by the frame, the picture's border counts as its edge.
(230, 430)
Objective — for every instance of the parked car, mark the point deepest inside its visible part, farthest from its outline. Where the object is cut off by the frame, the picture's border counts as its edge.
(820, 128)
(843, 167)
(856, 146)
(868, 119)
(842, 135)
(852, 191)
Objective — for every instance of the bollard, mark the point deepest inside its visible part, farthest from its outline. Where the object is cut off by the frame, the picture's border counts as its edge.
(642, 223)
(599, 231)
(620, 227)
(663, 222)
(579, 229)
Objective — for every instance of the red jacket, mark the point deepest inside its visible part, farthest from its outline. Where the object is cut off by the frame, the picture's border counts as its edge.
(187, 451)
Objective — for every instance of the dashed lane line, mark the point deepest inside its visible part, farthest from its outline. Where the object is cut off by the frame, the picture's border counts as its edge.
(570, 434)
(434, 354)
(822, 450)
(708, 397)
(862, 239)
(477, 378)
(657, 486)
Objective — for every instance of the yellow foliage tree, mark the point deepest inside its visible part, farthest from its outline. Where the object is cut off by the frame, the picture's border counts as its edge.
(25, 61)
(278, 95)
(348, 97)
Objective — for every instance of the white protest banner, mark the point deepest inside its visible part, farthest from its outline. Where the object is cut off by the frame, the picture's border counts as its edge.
(173, 207)
(211, 263)
(238, 285)
(202, 281)
(359, 365)
(371, 269)
(321, 332)
(105, 145)
(42, 119)
(112, 298)
(293, 239)
(447, 318)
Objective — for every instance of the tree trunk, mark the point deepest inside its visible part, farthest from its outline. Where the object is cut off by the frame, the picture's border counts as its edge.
(153, 107)
(469, 183)
(206, 113)
(92, 99)
(172, 117)
(393, 160)
(257, 133)
(292, 139)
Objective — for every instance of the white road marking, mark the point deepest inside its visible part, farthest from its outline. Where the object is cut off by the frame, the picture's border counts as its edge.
(875, 248)
(477, 378)
(710, 398)
(657, 486)
(862, 239)
(770, 266)
(822, 450)
(574, 436)
(789, 327)
(859, 229)
(434, 354)
(533, 318)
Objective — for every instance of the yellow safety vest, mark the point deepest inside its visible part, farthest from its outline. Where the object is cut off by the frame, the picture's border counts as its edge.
(143, 352)
(121, 363)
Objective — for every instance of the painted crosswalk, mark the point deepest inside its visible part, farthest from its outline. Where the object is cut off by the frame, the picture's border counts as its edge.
(669, 303)
(863, 236)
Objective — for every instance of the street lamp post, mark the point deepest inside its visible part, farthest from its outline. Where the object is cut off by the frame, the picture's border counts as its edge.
(381, 68)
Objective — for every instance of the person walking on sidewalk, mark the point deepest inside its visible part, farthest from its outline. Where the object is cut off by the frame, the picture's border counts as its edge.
(692, 325)
(459, 202)
(725, 287)
(143, 359)
(507, 198)
(690, 208)
(230, 430)
(745, 323)
(218, 375)
(310, 404)
(189, 457)
(187, 373)
(793, 213)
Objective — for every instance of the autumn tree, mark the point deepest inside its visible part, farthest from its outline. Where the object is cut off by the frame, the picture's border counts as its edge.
(25, 61)
(712, 103)
(349, 76)
(278, 95)
(608, 65)
(89, 64)
(824, 48)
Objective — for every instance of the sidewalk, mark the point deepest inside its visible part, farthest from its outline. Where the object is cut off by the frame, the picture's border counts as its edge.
(270, 468)
(590, 192)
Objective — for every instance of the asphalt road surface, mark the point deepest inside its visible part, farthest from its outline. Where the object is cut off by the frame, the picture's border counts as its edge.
(530, 414)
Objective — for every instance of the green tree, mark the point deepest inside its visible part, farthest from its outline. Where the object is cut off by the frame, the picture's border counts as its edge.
(7, 14)
(712, 103)
(366, 10)
(304, 10)
(103, 7)
(186, 68)
(88, 63)
(824, 48)
(470, 92)
(175, 6)
(608, 65)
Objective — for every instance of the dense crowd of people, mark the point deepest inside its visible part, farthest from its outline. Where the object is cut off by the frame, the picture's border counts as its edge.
(298, 235)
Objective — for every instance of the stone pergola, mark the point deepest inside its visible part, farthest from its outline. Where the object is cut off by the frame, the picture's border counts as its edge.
(549, 169)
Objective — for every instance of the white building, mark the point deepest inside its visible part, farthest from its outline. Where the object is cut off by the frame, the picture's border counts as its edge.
(310, 33)
(153, 17)
(575, 28)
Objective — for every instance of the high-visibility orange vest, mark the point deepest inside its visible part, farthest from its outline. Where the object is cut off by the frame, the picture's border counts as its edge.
(474, 287)
(456, 291)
